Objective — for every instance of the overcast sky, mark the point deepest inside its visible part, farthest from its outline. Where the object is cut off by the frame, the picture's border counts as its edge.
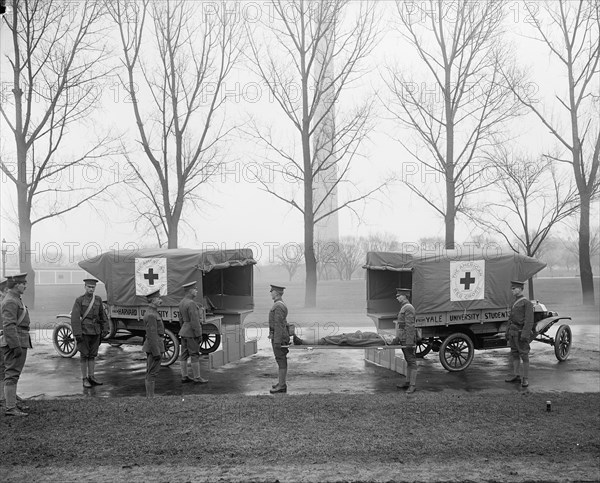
(238, 212)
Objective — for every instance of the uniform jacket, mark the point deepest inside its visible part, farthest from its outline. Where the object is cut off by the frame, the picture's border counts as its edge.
(16, 334)
(406, 331)
(278, 328)
(191, 318)
(95, 321)
(521, 316)
(155, 330)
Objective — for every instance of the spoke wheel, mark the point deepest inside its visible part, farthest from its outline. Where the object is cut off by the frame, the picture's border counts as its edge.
(456, 352)
(562, 342)
(171, 349)
(63, 340)
(423, 348)
(211, 339)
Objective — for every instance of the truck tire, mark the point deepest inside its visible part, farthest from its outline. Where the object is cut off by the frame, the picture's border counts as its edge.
(63, 340)
(456, 352)
(211, 339)
(171, 349)
(562, 342)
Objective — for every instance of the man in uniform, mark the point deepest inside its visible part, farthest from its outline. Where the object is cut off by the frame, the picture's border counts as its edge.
(154, 342)
(406, 335)
(15, 340)
(280, 337)
(520, 326)
(3, 290)
(191, 317)
(89, 325)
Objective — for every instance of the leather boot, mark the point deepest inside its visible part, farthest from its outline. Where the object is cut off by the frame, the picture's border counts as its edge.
(83, 364)
(150, 388)
(515, 376)
(10, 394)
(279, 374)
(281, 386)
(91, 369)
(412, 381)
(406, 382)
(196, 374)
(525, 378)
(183, 367)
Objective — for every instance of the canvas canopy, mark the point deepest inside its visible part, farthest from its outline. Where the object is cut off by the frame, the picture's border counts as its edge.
(448, 281)
(130, 274)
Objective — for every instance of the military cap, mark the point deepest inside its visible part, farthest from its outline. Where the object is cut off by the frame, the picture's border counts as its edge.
(516, 284)
(90, 281)
(403, 291)
(3, 284)
(19, 278)
(277, 288)
(189, 285)
(153, 295)
(13, 280)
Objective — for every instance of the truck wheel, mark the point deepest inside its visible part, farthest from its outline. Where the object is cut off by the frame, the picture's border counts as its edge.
(423, 348)
(456, 352)
(171, 349)
(562, 342)
(210, 341)
(63, 340)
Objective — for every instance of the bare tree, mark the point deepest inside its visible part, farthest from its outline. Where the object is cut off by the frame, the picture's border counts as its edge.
(350, 257)
(576, 46)
(572, 246)
(58, 50)
(290, 257)
(534, 198)
(457, 109)
(380, 242)
(177, 54)
(311, 58)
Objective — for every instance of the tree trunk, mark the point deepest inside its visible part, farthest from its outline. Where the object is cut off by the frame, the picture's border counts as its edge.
(449, 174)
(531, 292)
(24, 210)
(585, 265)
(310, 294)
(25, 248)
(172, 237)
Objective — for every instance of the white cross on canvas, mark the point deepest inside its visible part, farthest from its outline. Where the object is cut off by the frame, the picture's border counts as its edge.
(150, 275)
(467, 280)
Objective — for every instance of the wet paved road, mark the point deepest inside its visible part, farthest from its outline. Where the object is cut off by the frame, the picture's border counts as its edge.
(47, 375)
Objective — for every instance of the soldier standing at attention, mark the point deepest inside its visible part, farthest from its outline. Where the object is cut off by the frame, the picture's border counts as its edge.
(520, 326)
(154, 342)
(89, 325)
(15, 340)
(3, 290)
(406, 334)
(191, 317)
(280, 337)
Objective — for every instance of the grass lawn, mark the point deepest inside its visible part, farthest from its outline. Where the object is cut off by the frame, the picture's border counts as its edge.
(305, 430)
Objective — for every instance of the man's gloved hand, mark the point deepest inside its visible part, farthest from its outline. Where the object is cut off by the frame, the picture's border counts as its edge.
(506, 335)
(79, 339)
(17, 351)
